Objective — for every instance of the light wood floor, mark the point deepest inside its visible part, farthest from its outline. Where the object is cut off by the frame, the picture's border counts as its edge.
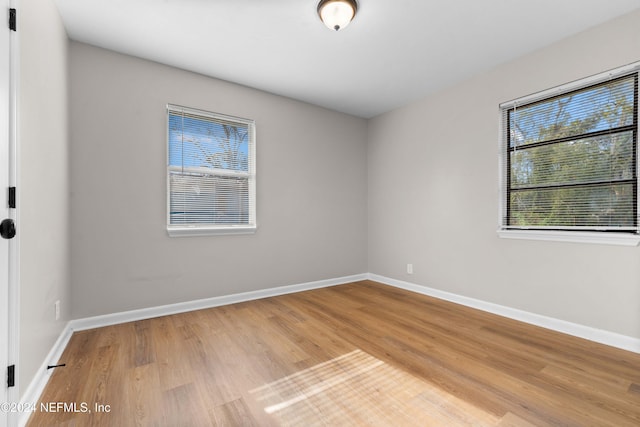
(357, 354)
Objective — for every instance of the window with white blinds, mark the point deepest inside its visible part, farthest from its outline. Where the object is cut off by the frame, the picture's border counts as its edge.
(211, 181)
(569, 157)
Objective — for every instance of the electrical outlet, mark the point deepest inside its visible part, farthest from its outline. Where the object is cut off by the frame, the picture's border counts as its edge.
(409, 268)
(56, 305)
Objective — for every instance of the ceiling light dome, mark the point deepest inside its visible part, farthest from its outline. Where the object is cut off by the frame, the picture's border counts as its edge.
(337, 14)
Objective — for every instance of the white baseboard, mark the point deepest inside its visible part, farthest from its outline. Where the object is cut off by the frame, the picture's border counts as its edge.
(182, 307)
(36, 387)
(593, 334)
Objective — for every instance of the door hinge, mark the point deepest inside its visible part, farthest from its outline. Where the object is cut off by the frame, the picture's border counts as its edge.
(11, 376)
(12, 197)
(12, 19)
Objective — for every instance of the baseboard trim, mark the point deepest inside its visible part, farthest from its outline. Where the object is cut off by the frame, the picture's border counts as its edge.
(182, 307)
(593, 334)
(37, 385)
(39, 382)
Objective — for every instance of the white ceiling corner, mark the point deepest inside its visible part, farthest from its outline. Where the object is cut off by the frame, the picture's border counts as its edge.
(394, 51)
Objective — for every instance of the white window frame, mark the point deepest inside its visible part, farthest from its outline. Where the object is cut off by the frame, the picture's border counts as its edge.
(208, 229)
(604, 237)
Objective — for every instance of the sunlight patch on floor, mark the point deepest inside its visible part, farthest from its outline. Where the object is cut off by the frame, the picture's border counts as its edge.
(358, 389)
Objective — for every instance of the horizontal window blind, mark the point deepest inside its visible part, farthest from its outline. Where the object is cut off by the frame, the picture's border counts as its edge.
(570, 160)
(210, 169)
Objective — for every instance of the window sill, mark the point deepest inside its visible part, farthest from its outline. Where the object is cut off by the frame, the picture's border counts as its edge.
(209, 231)
(573, 236)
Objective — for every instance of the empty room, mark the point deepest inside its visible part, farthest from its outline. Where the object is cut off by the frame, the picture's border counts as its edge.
(320, 213)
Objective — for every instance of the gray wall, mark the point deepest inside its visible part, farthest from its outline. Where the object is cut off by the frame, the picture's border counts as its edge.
(433, 195)
(43, 169)
(311, 189)
(427, 172)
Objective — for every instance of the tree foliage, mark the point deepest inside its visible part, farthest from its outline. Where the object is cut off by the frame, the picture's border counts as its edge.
(228, 153)
(572, 159)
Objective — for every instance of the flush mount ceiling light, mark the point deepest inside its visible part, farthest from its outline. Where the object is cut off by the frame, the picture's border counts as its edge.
(337, 14)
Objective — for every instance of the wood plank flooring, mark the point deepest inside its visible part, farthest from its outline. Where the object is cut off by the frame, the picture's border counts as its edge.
(361, 354)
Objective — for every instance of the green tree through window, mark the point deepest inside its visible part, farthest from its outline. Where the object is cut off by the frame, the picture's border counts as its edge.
(571, 160)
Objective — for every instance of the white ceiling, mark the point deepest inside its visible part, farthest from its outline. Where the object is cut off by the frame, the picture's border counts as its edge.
(394, 51)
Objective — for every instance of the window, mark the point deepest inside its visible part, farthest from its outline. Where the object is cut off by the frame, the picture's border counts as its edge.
(211, 181)
(569, 161)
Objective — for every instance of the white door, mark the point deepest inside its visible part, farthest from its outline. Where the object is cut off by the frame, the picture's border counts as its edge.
(7, 214)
